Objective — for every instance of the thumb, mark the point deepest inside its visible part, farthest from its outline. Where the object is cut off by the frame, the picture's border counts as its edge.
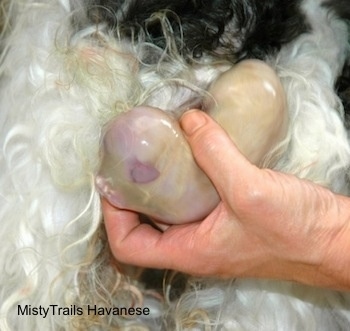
(216, 153)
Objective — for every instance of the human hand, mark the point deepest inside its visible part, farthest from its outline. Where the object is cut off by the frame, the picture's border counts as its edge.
(267, 224)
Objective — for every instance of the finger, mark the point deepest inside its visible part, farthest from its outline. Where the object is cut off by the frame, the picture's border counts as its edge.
(139, 244)
(126, 235)
(216, 153)
(119, 223)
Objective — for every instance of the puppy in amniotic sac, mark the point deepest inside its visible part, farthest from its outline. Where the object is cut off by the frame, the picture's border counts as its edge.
(138, 172)
(91, 97)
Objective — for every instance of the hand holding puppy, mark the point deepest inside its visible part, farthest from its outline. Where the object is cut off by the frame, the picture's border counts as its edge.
(267, 224)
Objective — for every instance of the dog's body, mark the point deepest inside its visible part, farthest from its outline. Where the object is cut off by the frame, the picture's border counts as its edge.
(66, 71)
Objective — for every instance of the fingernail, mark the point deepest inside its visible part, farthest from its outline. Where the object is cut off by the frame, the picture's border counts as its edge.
(191, 121)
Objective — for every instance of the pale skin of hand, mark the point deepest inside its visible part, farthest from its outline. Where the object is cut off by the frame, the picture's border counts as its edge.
(267, 225)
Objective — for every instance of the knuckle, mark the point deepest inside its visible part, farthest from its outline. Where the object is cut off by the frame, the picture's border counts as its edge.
(253, 197)
(209, 141)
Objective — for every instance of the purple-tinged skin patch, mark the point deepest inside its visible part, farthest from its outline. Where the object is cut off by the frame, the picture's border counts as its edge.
(141, 173)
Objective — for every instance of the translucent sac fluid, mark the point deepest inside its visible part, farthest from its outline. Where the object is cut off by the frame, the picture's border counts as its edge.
(148, 167)
(147, 164)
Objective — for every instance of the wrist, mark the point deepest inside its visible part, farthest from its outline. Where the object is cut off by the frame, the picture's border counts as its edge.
(324, 260)
(317, 243)
(336, 256)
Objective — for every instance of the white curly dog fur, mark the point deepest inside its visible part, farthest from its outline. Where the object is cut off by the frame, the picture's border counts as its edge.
(60, 83)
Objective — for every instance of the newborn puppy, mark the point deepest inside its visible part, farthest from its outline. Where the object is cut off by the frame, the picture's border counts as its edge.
(140, 171)
(74, 71)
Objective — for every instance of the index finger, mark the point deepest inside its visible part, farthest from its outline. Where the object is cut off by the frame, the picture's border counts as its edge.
(127, 236)
(137, 243)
